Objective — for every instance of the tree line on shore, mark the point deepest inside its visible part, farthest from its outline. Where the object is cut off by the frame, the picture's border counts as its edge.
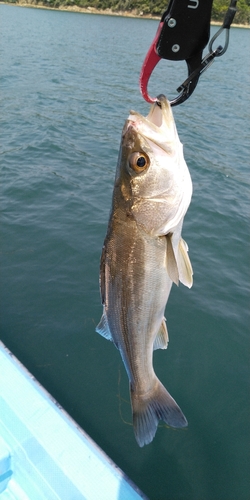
(148, 7)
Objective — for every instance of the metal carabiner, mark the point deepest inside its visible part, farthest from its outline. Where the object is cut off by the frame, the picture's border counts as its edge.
(205, 64)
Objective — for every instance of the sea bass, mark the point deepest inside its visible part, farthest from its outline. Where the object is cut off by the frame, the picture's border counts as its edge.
(143, 254)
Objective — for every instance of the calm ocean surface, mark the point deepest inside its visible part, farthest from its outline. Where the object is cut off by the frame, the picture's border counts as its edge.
(68, 81)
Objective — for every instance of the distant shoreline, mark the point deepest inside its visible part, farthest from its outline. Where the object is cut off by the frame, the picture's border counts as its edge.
(106, 12)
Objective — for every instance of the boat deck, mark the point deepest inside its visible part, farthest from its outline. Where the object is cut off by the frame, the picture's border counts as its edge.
(44, 454)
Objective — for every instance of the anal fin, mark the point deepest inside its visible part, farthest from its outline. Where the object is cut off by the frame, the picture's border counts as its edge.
(161, 340)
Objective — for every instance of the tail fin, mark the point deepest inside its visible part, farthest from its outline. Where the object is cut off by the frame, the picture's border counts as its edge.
(148, 411)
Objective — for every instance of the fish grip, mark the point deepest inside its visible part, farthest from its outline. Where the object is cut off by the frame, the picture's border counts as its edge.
(183, 33)
(186, 29)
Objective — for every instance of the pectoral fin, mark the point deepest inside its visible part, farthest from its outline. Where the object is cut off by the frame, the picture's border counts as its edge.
(161, 341)
(184, 264)
(172, 268)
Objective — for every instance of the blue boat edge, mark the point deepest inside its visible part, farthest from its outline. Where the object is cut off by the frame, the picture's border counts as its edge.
(44, 453)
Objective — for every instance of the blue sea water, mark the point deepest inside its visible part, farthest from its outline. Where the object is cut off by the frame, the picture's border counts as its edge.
(68, 81)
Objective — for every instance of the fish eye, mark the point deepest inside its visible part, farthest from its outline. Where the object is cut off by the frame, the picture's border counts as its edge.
(139, 162)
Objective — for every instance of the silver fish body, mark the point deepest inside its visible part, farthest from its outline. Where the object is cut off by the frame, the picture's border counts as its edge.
(143, 254)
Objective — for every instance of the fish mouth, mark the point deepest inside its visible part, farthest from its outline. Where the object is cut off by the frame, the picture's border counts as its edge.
(158, 126)
(160, 113)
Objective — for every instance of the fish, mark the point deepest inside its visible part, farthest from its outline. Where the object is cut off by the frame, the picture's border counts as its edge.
(142, 255)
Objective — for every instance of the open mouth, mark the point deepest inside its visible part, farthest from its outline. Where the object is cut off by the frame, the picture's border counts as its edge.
(158, 126)
(160, 113)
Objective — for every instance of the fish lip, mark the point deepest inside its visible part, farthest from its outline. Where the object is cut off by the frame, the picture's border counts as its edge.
(160, 114)
(158, 126)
